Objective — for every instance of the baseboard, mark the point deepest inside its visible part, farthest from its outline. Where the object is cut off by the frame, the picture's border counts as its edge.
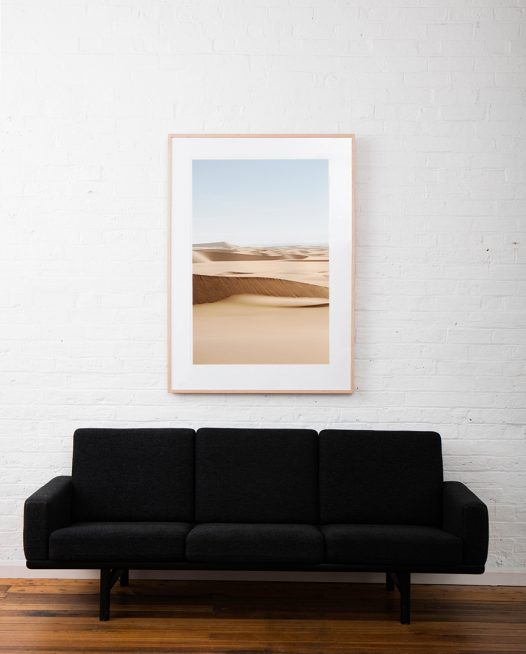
(512, 577)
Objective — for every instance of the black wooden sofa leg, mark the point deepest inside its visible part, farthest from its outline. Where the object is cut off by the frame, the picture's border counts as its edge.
(125, 578)
(402, 580)
(105, 590)
(404, 586)
(108, 577)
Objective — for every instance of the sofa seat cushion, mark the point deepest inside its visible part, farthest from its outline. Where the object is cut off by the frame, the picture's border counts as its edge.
(391, 545)
(254, 543)
(119, 541)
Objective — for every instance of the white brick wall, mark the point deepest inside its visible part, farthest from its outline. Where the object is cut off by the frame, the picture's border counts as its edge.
(434, 90)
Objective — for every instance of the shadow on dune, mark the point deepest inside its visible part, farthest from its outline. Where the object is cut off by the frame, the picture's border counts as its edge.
(210, 288)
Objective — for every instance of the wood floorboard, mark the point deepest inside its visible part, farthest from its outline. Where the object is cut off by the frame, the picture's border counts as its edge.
(43, 616)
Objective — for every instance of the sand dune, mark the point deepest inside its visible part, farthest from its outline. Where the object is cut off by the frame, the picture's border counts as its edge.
(273, 301)
(243, 330)
(308, 272)
(216, 244)
(226, 252)
(260, 304)
(200, 256)
(215, 288)
(296, 264)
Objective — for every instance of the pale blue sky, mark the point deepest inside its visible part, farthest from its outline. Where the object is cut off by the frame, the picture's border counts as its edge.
(261, 201)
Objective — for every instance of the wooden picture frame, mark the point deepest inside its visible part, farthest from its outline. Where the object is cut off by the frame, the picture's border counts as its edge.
(261, 263)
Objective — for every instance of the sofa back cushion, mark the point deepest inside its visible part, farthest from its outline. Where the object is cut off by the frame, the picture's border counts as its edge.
(133, 474)
(256, 475)
(380, 477)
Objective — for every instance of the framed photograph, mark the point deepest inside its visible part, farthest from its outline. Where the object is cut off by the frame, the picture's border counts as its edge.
(261, 263)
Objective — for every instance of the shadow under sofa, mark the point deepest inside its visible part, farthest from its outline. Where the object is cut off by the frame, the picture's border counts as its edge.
(256, 499)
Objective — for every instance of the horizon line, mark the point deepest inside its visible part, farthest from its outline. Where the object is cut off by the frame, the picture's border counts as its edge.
(225, 244)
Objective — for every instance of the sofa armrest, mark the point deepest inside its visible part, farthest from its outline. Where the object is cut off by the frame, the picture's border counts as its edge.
(466, 516)
(49, 508)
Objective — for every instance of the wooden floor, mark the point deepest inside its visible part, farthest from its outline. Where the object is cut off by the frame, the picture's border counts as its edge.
(263, 617)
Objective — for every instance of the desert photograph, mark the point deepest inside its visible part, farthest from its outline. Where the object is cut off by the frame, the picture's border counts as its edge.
(260, 261)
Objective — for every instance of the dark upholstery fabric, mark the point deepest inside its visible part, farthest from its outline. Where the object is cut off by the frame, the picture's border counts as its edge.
(256, 475)
(47, 509)
(466, 516)
(255, 543)
(133, 474)
(379, 477)
(391, 545)
(119, 541)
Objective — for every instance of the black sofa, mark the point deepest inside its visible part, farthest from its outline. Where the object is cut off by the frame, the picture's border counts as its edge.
(256, 499)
